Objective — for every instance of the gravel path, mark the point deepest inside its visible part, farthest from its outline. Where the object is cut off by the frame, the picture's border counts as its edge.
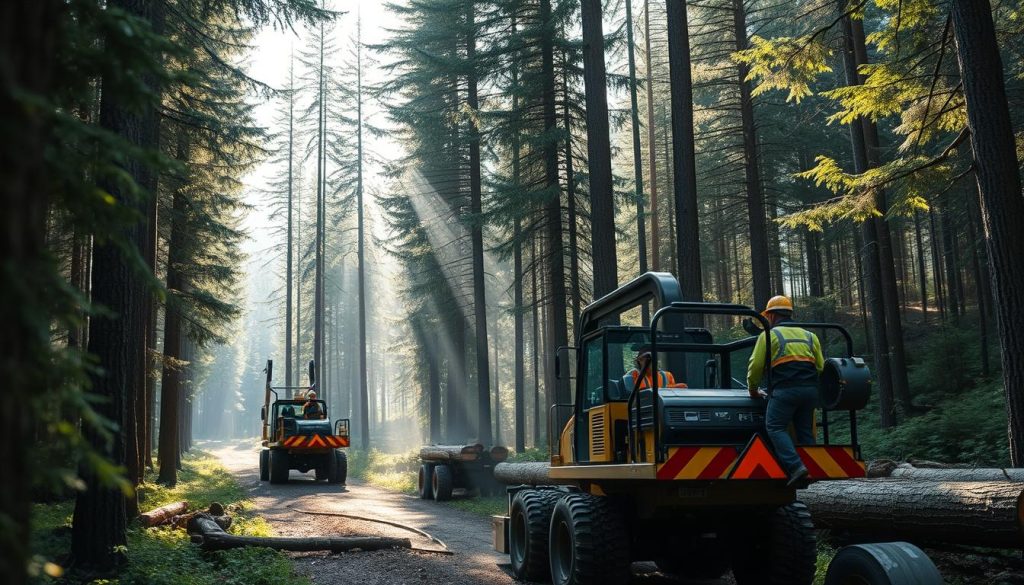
(467, 535)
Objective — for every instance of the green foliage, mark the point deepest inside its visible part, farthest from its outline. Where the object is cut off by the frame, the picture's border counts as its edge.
(788, 63)
(482, 506)
(393, 471)
(164, 556)
(825, 554)
(531, 454)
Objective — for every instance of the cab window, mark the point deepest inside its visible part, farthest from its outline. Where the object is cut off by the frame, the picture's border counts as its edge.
(594, 376)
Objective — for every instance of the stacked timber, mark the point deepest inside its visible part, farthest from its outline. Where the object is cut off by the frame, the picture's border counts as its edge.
(451, 452)
(163, 514)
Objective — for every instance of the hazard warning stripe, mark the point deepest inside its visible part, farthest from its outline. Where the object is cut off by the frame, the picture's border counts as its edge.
(757, 462)
(697, 463)
(831, 462)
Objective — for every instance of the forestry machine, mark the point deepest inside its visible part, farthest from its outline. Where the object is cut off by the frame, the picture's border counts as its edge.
(297, 434)
(683, 476)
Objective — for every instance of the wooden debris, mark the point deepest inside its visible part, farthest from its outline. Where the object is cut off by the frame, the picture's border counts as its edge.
(976, 513)
(163, 514)
(209, 535)
(451, 452)
(907, 471)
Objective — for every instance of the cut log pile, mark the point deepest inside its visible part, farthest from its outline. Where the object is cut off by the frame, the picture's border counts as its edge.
(451, 452)
(463, 453)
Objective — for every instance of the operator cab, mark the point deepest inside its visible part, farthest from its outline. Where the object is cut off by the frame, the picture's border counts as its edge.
(701, 397)
(288, 416)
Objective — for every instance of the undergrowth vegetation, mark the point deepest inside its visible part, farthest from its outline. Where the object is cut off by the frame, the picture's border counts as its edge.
(164, 556)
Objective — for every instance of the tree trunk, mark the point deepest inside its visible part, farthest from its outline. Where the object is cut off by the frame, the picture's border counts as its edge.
(364, 415)
(289, 268)
(996, 169)
(759, 261)
(869, 250)
(953, 300)
(483, 368)
(652, 147)
(638, 165)
(971, 513)
(535, 338)
(922, 274)
(907, 471)
(212, 537)
(570, 188)
(163, 514)
(553, 207)
(119, 341)
(526, 472)
(28, 35)
(599, 162)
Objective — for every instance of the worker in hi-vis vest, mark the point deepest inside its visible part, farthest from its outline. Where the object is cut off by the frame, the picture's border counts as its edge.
(796, 363)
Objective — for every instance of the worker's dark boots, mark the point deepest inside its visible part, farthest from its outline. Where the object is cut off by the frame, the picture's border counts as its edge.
(797, 477)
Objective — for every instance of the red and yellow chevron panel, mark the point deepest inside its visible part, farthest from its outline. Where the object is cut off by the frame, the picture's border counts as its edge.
(316, 442)
(757, 462)
(697, 463)
(831, 462)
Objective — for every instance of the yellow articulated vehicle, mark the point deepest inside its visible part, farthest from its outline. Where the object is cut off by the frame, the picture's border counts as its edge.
(671, 464)
(297, 434)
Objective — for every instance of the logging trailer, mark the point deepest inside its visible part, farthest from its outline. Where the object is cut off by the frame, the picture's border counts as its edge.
(294, 441)
(445, 468)
(681, 476)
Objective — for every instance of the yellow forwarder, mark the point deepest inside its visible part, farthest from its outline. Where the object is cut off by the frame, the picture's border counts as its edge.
(663, 457)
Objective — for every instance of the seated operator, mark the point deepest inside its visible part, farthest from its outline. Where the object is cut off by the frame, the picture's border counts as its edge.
(643, 360)
(312, 408)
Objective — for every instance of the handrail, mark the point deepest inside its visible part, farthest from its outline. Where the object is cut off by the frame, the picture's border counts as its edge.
(693, 308)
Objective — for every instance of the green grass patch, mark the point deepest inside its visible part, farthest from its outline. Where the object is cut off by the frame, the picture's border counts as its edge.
(825, 554)
(483, 506)
(391, 471)
(164, 556)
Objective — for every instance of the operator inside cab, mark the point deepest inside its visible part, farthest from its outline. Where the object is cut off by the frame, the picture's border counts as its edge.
(643, 364)
(311, 409)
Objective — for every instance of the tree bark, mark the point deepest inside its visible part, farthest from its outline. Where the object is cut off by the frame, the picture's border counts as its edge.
(451, 452)
(759, 257)
(638, 165)
(483, 368)
(553, 220)
(211, 536)
(599, 162)
(907, 471)
(999, 186)
(683, 153)
(523, 473)
(364, 415)
(972, 513)
(29, 35)
(870, 264)
(652, 147)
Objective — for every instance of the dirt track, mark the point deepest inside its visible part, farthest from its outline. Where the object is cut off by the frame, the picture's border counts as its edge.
(467, 535)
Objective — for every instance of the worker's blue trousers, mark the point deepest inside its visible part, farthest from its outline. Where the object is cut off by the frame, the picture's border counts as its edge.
(791, 405)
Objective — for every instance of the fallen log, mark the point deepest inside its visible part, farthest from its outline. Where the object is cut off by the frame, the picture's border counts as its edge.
(499, 453)
(210, 536)
(451, 452)
(971, 513)
(523, 473)
(907, 471)
(163, 514)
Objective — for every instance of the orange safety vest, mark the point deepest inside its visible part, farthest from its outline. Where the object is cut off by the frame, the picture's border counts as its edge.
(665, 379)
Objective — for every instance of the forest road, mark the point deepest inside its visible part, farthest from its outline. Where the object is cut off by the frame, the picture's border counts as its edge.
(467, 535)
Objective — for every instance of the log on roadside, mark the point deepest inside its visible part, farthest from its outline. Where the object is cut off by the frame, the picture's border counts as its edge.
(970, 513)
(451, 452)
(907, 471)
(163, 514)
(210, 536)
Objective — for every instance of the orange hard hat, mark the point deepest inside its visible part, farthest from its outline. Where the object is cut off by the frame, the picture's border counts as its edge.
(778, 303)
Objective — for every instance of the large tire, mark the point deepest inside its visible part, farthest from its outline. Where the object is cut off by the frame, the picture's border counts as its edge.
(442, 483)
(887, 563)
(264, 464)
(278, 466)
(529, 525)
(320, 472)
(588, 542)
(425, 480)
(778, 549)
(340, 467)
(330, 466)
